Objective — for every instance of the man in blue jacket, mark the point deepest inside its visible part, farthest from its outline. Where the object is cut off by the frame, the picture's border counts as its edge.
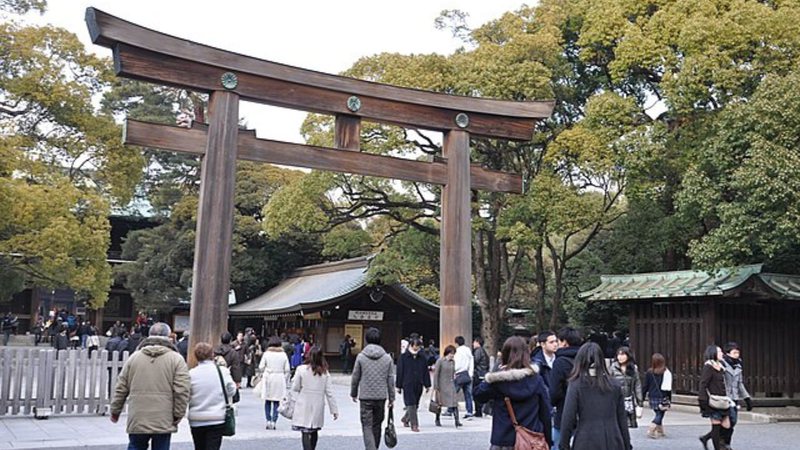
(569, 340)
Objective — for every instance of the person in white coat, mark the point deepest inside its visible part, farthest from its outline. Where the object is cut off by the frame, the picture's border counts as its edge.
(275, 370)
(311, 386)
(207, 403)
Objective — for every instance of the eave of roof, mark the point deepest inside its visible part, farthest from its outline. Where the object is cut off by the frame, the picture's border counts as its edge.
(690, 283)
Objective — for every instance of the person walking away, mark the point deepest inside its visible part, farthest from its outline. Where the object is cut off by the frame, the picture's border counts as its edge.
(371, 385)
(183, 345)
(156, 384)
(134, 339)
(465, 369)
(275, 370)
(569, 340)
(481, 368)
(444, 390)
(594, 409)
(626, 373)
(658, 389)
(312, 387)
(734, 385)
(92, 340)
(545, 354)
(62, 340)
(207, 402)
(412, 376)
(518, 381)
(712, 382)
(38, 329)
(227, 353)
(298, 353)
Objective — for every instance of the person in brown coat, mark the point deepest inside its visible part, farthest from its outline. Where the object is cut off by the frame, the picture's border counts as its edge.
(712, 382)
(444, 390)
(156, 383)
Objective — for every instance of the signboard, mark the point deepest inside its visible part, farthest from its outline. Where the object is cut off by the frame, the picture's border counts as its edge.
(364, 315)
(180, 323)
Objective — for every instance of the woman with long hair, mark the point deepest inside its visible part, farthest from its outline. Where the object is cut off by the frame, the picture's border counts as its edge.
(625, 371)
(594, 409)
(658, 389)
(275, 374)
(444, 390)
(712, 382)
(518, 381)
(311, 387)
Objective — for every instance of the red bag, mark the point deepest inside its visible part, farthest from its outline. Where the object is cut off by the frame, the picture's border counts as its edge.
(526, 439)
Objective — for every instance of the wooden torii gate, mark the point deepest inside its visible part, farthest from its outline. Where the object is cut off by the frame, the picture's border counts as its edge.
(144, 54)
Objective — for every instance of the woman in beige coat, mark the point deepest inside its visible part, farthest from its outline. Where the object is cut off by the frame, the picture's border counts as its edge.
(311, 386)
(444, 389)
(274, 367)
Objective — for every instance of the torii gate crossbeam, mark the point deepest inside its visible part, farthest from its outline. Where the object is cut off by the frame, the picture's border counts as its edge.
(144, 54)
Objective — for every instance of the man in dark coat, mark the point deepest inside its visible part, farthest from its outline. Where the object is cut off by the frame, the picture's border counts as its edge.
(544, 355)
(481, 359)
(183, 345)
(412, 376)
(134, 339)
(231, 357)
(569, 340)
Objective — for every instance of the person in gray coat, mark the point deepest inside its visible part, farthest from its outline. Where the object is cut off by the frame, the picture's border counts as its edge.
(626, 373)
(734, 385)
(372, 384)
(594, 409)
(444, 390)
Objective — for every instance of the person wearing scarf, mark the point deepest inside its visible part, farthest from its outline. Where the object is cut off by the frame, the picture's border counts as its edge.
(734, 385)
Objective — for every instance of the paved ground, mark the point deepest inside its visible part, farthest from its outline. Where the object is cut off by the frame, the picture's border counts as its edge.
(99, 433)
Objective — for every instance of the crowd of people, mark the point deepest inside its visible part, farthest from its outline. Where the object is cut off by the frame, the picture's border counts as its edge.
(565, 390)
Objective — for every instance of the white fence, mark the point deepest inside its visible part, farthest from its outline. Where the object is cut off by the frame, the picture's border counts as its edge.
(44, 382)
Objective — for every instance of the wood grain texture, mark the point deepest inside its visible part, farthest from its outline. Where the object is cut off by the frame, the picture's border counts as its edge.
(275, 152)
(108, 30)
(214, 233)
(455, 250)
(136, 63)
(347, 132)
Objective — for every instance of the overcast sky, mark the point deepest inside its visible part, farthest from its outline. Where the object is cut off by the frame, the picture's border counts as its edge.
(323, 35)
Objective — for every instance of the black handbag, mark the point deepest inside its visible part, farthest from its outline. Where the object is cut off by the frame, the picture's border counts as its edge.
(230, 419)
(390, 434)
(462, 379)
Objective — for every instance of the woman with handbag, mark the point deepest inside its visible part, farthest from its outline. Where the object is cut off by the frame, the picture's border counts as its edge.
(594, 409)
(275, 374)
(626, 373)
(712, 397)
(207, 405)
(518, 381)
(311, 387)
(658, 389)
(444, 390)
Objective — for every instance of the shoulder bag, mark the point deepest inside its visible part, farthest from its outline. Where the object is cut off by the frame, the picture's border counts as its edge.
(525, 439)
(718, 402)
(390, 434)
(230, 418)
(286, 407)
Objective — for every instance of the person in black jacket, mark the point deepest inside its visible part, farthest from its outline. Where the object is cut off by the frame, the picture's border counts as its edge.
(231, 357)
(412, 376)
(481, 359)
(594, 410)
(518, 381)
(569, 339)
(134, 339)
(712, 382)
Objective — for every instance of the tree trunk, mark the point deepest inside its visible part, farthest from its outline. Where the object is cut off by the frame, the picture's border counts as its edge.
(541, 286)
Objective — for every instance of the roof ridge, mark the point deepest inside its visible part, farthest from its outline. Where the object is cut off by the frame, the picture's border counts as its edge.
(331, 266)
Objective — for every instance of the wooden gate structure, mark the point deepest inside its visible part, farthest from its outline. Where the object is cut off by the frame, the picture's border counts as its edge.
(144, 54)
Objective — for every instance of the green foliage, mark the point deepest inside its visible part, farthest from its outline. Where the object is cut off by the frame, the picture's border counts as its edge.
(61, 161)
(346, 241)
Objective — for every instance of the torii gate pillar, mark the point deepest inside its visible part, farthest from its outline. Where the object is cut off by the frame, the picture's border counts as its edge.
(455, 248)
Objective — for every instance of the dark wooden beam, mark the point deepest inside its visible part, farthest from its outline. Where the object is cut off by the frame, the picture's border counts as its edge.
(262, 150)
(347, 132)
(455, 256)
(109, 31)
(213, 241)
(136, 63)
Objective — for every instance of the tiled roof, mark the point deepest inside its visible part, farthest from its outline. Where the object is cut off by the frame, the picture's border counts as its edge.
(314, 286)
(690, 283)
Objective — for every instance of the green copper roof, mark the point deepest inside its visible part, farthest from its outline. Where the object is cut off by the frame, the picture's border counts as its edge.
(691, 283)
